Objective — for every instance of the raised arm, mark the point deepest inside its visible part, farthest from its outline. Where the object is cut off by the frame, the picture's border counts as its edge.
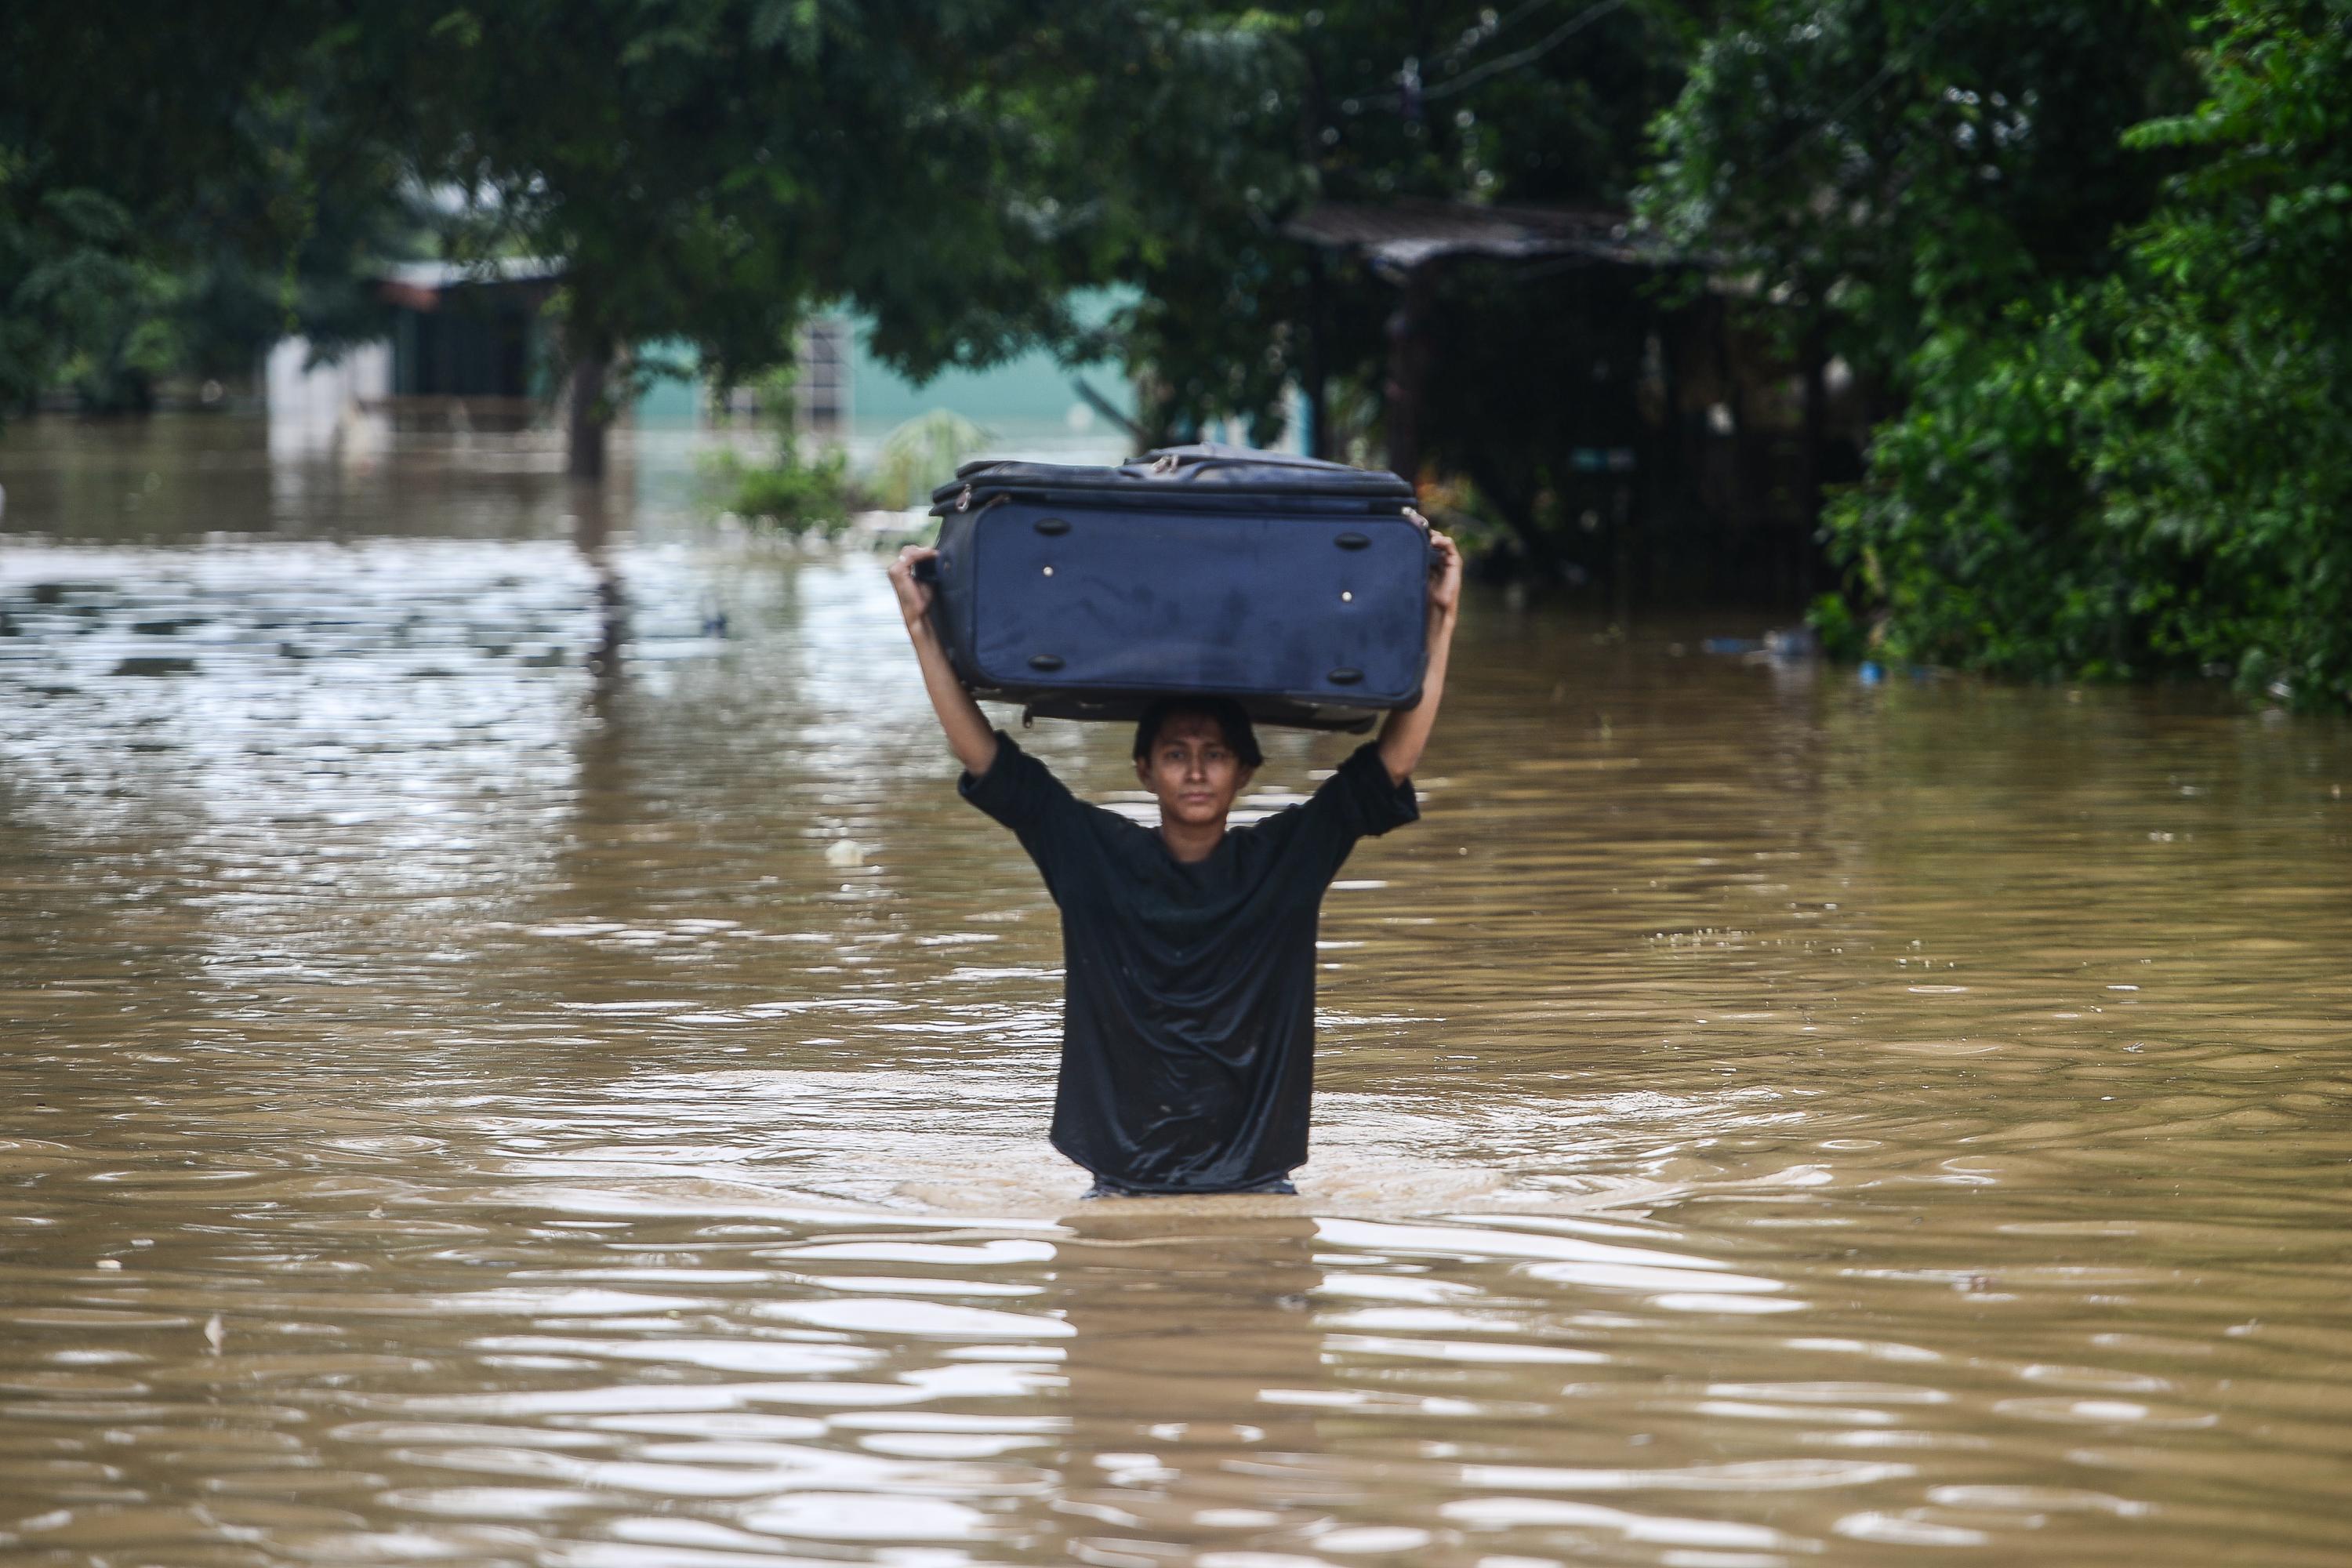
(1407, 729)
(969, 733)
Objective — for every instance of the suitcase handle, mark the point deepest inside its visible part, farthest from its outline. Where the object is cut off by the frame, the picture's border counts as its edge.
(927, 570)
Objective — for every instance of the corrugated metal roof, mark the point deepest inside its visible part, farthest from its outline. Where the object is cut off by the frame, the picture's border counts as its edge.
(1405, 233)
(439, 275)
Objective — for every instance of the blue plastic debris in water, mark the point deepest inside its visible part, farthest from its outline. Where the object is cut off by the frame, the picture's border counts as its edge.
(1729, 645)
(1871, 673)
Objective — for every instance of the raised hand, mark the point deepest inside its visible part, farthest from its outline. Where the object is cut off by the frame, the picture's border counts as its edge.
(968, 730)
(914, 596)
(1445, 576)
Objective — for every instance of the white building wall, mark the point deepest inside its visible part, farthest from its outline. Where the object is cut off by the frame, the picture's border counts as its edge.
(316, 408)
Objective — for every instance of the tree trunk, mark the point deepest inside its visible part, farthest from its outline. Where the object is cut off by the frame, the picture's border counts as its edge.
(590, 413)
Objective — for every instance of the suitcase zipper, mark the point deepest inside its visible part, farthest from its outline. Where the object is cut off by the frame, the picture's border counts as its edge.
(1352, 487)
(1174, 497)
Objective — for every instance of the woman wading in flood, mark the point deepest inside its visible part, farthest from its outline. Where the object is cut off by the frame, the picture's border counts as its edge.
(1188, 1029)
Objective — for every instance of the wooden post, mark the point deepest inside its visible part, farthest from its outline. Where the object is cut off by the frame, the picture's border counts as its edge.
(1408, 368)
(1319, 362)
(1816, 435)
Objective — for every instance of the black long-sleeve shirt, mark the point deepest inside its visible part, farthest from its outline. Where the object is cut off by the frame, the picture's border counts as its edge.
(1188, 1029)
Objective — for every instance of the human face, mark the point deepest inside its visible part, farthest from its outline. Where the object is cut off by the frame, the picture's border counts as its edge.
(1196, 775)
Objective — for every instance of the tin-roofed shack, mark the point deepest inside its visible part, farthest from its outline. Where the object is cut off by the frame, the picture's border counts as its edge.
(470, 331)
(1593, 386)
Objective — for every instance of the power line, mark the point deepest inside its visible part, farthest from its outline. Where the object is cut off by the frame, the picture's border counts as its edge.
(1533, 52)
(1894, 62)
(1512, 61)
(1477, 35)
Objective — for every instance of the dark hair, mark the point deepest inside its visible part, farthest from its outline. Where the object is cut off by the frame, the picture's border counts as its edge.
(1228, 715)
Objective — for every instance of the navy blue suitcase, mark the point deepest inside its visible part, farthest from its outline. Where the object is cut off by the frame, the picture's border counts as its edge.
(1299, 588)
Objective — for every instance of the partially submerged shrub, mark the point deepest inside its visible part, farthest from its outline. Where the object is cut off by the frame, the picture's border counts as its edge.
(800, 496)
(922, 454)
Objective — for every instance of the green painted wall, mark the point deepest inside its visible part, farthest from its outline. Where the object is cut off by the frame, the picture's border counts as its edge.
(1031, 396)
(1027, 401)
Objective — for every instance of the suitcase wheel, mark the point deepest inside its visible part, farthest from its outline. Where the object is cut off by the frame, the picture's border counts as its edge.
(1047, 662)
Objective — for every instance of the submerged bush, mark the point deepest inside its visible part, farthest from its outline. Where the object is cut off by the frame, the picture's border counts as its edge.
(798, 496)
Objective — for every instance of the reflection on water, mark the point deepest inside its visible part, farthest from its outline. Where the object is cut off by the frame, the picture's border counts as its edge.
(515, 1055)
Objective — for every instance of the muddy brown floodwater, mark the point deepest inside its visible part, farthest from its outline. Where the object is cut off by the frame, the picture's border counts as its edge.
(514, 1054)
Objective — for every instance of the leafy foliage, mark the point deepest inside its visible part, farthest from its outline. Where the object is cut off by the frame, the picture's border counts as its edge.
(921, 454)
(2152, 473)
(1889, 169)
(2086, 258)
(1362, 100)
(178, 186)
(796, 494)
(708, 170)
(711, 169)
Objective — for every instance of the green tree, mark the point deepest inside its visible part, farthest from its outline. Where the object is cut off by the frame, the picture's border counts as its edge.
(1876, 171)
(1362, 100)
(953, 171)
(2152, 474)
(706, 169)
(178, 185)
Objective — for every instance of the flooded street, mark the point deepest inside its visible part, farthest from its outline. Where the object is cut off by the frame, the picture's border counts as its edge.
(515, 1054)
